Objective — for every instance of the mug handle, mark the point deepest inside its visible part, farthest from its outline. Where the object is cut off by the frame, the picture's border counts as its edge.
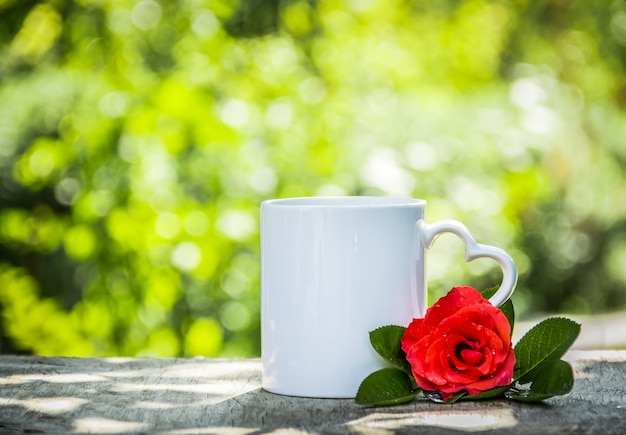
(473, 251)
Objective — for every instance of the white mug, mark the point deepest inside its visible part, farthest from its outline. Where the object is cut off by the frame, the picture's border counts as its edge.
(335, 268)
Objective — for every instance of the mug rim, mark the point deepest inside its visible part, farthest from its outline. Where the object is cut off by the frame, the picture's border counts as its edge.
(344, 201)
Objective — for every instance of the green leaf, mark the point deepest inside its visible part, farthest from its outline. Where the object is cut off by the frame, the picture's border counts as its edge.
(386, 341)
(388, 386)
(489, 394)
(545, 342)
(553, 378)
(435, 396)
(507, 307)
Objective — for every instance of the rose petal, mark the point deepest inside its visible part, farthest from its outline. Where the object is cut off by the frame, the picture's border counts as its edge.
(500, 378)
(418, 352)
(412, 334)
(434, 371)
(480, 337)
(449, 304)
(423, 370)
(472, 357)
(488, 316)
(456, 377)
(451, 389)
(460, 325)
(463, 371)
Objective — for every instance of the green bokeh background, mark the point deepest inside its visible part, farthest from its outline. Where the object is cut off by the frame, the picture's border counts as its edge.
(138, 138)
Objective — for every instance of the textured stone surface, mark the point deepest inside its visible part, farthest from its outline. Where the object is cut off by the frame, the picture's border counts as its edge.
(172, 396)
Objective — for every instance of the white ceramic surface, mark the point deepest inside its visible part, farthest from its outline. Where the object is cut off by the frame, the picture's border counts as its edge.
(335, 268)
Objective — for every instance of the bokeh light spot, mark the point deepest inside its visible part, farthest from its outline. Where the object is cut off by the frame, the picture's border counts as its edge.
(146, 14)
(235, 113)
(237, 225)
(205, 23)
(235, 316)
(186, 256)
(203, 338)
(80, 242)
(196, 223)
(41, 163)
(167, 225)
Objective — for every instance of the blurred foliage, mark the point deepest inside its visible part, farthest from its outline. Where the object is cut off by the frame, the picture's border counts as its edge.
(138, 138)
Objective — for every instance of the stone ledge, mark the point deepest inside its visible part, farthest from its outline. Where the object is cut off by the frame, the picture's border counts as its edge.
(175, 396)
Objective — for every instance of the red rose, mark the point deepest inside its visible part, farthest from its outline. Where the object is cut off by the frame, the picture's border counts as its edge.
(463, 343)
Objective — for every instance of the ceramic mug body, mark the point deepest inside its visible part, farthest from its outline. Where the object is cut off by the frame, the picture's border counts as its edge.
(335, 268)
